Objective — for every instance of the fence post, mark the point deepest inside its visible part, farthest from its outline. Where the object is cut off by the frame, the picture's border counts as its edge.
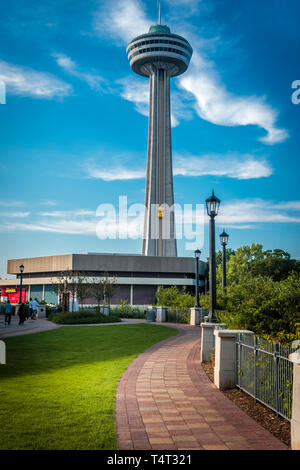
(208, 339)
(225, 358)
(295, 422)
(255, 366)
(161, 314)
(2, 352)
(195, 316)
(276, 358)
(238, 358)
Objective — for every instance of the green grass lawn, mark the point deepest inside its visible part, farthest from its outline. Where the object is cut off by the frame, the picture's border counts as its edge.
(57, 390)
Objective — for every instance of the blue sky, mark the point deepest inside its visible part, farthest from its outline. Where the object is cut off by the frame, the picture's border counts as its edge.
(74, 126)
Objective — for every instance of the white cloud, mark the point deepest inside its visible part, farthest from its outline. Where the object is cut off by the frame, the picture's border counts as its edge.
(232, 166)
(94, 81)
(59, 214)
(125, 19)
(290, 205)
(112, 173)
(249, 213)
(137, 91)
(48, 202)
(255, 211)
(238, 214)
(216, 105)
(13, 215)
(11, 203)
(24, 81)
(71, 227)
(80, 222)
(121, 20)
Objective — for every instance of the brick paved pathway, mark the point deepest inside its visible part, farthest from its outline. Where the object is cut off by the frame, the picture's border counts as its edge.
(165, 401)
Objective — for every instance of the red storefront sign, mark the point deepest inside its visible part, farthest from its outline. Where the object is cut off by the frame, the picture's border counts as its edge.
(13, 294)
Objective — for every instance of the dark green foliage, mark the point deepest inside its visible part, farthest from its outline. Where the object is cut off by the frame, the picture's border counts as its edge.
(262, 294)
(262, 305)
(179, 302)
(82, 317)
(229, 252)
(127, 311)
(175, 298)
(179, 316)
(276, 264)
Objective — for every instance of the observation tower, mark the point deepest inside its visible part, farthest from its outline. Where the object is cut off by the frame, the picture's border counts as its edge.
(159, 55)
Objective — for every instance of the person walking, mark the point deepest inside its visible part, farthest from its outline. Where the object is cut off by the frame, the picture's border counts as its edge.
(30, 310)
(22, 314)
(34, 308)
(8, 311)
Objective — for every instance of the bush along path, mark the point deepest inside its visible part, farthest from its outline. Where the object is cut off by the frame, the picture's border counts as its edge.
(165, 401)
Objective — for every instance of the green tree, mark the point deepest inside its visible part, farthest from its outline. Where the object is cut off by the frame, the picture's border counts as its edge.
(97, 290)
(109, 287)
(167, 297)
(61, 287)
(219, 256)
(262, 294)
(174, 298)
(262, 305)
(276, 264)
(83, 288)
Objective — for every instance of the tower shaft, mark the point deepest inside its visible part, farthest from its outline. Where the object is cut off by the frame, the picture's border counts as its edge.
(159, 231)
(159, 55)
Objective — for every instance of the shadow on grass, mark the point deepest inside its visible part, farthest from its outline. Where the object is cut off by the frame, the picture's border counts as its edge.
(69, 346)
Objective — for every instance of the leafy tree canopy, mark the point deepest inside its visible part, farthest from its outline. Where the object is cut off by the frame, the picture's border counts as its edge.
(275, 264)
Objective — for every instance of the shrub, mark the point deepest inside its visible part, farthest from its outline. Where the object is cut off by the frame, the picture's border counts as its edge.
(85, 317)
(178, 316)
(174, 298)
(127, 311)
(179, 302)
(262, 305)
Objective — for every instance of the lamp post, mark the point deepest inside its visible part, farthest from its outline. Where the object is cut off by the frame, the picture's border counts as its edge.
(197, 257)
(21, 282)
(212, 206)
(224, 241)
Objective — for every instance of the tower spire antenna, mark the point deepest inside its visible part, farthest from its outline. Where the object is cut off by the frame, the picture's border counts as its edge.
(159, 12)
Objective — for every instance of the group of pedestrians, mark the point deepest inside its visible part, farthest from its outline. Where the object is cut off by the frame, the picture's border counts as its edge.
(23, 315)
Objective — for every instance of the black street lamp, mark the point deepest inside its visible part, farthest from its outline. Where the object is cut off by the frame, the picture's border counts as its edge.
(212, 206)
(21, 282)
(224, 241)
(197, 257)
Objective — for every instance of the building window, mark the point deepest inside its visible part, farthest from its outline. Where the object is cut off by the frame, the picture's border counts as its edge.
(161, 41)
(153, 49)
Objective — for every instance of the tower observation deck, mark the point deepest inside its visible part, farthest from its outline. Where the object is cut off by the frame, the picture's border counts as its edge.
(159, 55)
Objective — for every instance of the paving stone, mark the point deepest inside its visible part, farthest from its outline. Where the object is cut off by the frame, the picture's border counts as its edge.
(165, 401)
(215, 447)
(160, 440)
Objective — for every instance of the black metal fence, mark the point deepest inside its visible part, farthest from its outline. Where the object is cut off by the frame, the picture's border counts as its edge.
(265, 372)
(178, 315)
